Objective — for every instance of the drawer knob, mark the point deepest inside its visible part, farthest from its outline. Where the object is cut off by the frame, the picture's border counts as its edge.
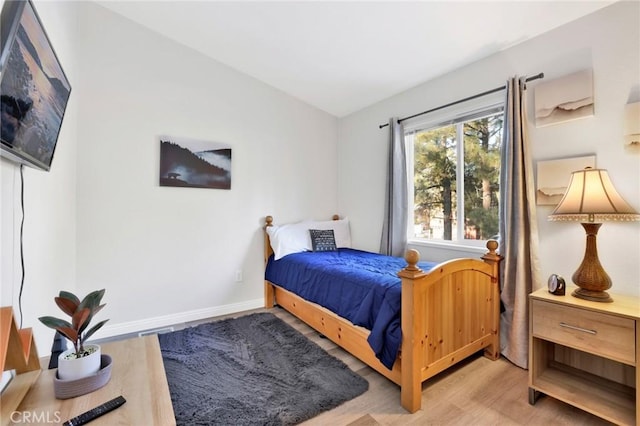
(573, 327)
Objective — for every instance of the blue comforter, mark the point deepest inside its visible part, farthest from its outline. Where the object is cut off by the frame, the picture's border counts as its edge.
(360, 286)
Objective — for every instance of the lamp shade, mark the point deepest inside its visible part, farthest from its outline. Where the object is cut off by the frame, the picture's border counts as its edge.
(591, 198)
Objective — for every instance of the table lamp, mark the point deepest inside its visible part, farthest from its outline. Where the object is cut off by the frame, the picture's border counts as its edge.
(591, 199)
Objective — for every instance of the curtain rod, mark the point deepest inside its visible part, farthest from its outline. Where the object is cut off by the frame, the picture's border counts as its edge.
(488, 92)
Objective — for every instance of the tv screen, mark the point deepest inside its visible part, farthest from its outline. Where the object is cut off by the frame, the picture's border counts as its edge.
(34, 89)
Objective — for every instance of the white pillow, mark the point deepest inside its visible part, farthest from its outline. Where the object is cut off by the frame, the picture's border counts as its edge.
(341, 230)
(290, 238)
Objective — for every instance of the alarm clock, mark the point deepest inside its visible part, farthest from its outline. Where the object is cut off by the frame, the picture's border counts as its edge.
(556, 285)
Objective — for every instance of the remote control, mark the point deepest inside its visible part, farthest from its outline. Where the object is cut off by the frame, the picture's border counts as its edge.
(96, 412)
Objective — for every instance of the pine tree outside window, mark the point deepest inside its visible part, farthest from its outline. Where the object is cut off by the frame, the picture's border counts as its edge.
(455, 178)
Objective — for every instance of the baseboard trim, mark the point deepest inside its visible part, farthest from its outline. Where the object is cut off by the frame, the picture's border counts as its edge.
(178, 318)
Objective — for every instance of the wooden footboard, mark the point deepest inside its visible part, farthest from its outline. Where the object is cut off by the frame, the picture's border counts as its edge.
(448, 313)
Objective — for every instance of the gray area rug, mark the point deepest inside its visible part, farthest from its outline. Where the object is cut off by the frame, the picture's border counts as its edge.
(252, 370)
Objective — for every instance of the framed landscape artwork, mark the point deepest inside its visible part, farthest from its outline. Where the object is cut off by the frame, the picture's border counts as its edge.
(554, 176)
(564, 99)
(194, 163)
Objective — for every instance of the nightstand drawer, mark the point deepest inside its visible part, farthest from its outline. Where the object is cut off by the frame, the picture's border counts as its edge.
(604, 335)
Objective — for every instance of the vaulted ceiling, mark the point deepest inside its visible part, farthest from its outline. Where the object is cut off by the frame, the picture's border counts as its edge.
(343, 56)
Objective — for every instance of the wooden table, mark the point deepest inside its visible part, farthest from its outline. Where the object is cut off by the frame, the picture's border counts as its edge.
(586, 354)
(137, 374)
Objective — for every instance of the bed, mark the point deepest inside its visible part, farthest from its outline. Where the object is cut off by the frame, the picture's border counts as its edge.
(445, 312)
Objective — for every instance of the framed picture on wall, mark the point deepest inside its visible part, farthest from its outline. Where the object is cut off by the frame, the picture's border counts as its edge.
(554, 176)
(564, 99)
(194, 163)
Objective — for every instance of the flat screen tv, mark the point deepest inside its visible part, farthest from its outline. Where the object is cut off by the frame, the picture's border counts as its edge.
(34, 89)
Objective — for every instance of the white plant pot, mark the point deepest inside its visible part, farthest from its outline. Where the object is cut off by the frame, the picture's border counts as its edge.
(72, 368)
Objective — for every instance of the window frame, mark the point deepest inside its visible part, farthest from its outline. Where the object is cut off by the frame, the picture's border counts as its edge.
(457, 115)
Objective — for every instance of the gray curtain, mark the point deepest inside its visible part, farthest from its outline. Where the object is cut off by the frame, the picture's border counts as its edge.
(394, 227)
(518, 227)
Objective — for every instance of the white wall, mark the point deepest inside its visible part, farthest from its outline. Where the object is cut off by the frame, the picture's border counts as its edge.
(607, 41)
(49, 198)
(99, 218)
(168, 254)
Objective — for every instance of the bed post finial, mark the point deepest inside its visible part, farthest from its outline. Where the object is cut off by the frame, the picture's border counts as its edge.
(336, 217)
(491, 255)
(412, 257)
(269, 220)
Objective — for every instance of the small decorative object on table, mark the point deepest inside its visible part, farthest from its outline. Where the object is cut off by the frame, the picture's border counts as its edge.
(556, 285)
(81, 369)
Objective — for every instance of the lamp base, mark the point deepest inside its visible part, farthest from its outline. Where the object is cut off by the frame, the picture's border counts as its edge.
(591, 277)
(594, 296)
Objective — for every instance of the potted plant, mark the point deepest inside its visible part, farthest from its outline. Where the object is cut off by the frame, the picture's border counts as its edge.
(81, 360)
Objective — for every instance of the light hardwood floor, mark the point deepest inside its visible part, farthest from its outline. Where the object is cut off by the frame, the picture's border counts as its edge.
(475, 392)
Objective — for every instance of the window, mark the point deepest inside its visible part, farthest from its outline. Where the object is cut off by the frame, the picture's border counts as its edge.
(455, 178)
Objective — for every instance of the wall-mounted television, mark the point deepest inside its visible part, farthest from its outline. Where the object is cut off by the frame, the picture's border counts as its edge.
(34, 89)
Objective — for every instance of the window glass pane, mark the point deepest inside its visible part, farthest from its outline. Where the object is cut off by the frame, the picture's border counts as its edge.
(456, 179)
(482, 140)
(435, 183)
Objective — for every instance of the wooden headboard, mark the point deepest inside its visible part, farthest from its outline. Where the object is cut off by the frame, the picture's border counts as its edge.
(268, 250)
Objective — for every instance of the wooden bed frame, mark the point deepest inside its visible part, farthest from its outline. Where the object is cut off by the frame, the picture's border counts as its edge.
(448, 314)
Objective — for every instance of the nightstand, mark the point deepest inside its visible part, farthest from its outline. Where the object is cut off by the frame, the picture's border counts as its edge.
(586, 353)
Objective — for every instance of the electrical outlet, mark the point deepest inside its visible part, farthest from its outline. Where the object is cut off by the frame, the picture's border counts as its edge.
(239, 276)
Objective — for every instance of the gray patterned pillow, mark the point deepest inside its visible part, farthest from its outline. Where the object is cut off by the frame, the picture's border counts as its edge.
(322, 240)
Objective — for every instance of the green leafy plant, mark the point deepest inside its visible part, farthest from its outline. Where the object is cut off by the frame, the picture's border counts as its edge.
(81, 313)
